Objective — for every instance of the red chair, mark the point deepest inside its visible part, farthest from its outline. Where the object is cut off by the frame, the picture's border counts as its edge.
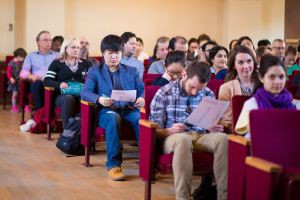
(25, 97)
(295, 91)
(238, 150)
(146, 65)
(215, 85)
(273, 170)
(296, 72)
(90, 133)
(150, 76)
(150, 158)
(4, 80)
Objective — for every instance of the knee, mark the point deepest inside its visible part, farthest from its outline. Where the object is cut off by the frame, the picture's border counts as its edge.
(183, 142)
(221, 140)
(69, 100)
(110, 117)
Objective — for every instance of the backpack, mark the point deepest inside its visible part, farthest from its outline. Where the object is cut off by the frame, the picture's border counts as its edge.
(69, 140)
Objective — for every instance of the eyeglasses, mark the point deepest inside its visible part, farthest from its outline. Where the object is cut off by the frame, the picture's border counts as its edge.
(46, 40)
(172, 73)
(279, 48)
(86, 43)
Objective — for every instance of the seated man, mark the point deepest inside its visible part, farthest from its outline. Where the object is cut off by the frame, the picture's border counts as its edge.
(170, 107)
(101, 80)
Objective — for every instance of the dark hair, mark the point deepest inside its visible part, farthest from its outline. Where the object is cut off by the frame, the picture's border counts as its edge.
(112, 43)
(241, 39)
(231, 42)
(213, 52)
(126, 36)
(232, 73)
(58, 38)
(172, 43)
(20, 52)
(210, 42)
(39, 35)
(154, 53)
(140, 40)
(192, 40)
(199, 69)
(266, 62)
(298, 48)
(263, 42)
(260, 51)
(290, 50)
(175, 57)
(203, 37)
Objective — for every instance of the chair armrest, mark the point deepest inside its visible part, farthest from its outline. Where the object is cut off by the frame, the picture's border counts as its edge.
(239, 139)
(148, 124)
(263, 165)
(87, 120)
(87, 103)
(142, 110)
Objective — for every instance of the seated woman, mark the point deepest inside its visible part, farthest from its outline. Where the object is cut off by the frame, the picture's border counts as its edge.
(270, 92)
(217, 60)
(101, 80)
(175, 64)
(69, 69)
(239, 81)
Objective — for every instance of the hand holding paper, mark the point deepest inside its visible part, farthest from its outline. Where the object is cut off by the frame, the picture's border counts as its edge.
(124, 95)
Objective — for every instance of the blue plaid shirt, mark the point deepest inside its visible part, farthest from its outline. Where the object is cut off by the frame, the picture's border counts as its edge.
(171, 105)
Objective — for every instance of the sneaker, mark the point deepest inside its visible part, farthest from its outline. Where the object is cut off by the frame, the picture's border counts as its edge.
(15, 109)
(27, 109)
(26, 127)
(116, 174)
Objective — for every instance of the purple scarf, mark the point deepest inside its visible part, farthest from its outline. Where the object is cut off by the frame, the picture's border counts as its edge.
(265, 100)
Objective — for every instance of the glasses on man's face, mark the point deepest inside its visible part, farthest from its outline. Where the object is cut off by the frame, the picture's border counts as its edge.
(84, 43)
(279, 48)
(46, 40)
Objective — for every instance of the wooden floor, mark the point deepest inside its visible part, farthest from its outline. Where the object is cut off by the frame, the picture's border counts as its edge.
(33, 168)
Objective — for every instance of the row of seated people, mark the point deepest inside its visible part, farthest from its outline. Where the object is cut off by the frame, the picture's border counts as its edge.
(192, 82)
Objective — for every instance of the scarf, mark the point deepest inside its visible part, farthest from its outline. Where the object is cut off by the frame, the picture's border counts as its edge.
(266, 100)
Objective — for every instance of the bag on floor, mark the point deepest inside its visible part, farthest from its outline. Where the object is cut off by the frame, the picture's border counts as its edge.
(69, 141)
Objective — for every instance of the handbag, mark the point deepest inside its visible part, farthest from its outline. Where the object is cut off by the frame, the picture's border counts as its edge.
(74, 88)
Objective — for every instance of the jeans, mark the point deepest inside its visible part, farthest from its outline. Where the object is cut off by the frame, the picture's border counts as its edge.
(37, 90)
(111, 121)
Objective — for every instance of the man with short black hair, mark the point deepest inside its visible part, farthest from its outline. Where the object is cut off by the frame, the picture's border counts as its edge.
(128, 58)
(101, 80)
(204, 54)
(170, 107)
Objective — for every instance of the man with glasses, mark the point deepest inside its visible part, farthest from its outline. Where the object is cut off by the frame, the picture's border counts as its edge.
(170, 107)
(278, 48)
(36, 65)
(101, 80)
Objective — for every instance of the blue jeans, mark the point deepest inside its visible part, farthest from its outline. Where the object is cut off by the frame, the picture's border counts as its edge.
(111, 121)
(37, 90)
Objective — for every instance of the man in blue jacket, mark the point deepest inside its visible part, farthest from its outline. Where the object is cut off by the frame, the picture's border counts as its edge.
(101, 80)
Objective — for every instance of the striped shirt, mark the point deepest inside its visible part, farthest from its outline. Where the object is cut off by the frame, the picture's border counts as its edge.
(172, 105)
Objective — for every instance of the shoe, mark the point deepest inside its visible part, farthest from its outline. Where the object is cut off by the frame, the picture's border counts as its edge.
(14, 109)
(27, 109)
(26, 127)
(116, 174)
(205, 191)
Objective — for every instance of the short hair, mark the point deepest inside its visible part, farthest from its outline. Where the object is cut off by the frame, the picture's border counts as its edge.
(140, 40)
(65, 44)
(241, 39)
(172, 43)
(126, 36)
(39, 35)
(20, 52)
(266, 62)
(232, 72)
(213, 52)
(260, 51)
(199, 69)
(162, 39)
(210, 42)
(291, 50)
(111, 43)
(58, 38)
(175, 57)
(277, 40)
(202, 37)
(192, 40)
(263, 42)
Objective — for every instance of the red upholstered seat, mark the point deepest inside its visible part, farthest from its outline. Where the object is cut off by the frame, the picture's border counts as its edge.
(273, 170)
(214, 85)
(3, 79)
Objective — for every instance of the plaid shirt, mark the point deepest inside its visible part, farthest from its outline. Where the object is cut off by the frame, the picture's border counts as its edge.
(171, 105)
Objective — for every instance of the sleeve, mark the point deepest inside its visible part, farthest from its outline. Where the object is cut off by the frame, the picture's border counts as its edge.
(158, 109)
(26, 68)
(224, 93)
(160, 81)
(141, 70)
(153, 69)
(9, 70)
(139, 85)
(89, 89)
(50, 79)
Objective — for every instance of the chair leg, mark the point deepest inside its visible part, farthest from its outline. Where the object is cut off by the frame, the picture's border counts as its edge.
(87, 157)
(148, 190)
(48, 132)
(23, 116)
(4, 100)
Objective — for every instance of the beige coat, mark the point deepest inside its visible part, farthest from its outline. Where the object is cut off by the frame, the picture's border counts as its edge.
(226, 92)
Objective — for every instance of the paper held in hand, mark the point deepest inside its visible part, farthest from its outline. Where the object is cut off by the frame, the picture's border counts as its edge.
(208, 112)
(124, 95)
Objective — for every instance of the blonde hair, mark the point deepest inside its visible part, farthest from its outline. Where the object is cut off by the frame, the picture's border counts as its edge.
(67, 42)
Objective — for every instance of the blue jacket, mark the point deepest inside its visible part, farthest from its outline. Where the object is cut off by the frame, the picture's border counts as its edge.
(99, 83)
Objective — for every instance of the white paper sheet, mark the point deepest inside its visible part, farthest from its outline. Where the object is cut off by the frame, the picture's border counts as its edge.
(124, 95)
(208, 112)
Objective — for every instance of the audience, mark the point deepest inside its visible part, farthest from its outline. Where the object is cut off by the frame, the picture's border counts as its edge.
(278, 48)
(161, 49)
(217, 60)
(56, 43)
(101, 80)
(63, 73)
(192, 49)
(129, 40)
(84, 52)
(139, 53)
(36, 65)
(206, 47)
(270, 92)
(170, 108)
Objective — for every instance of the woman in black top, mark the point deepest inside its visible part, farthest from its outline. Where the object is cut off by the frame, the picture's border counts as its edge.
(69, 68)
